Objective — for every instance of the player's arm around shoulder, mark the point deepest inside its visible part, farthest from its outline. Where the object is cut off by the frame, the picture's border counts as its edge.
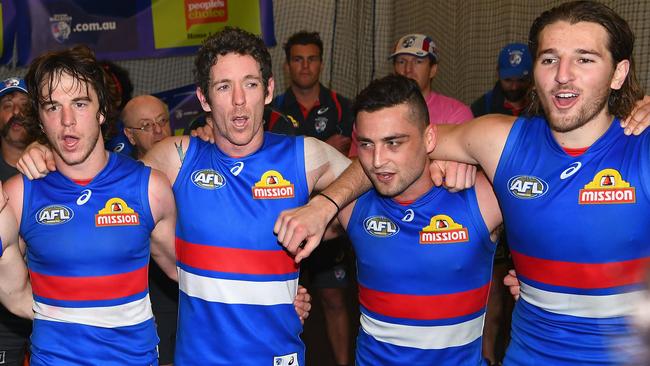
(163, 210)
(323, 164)
(167, 156)
(488, 205)
(479, 141)
(15, 288)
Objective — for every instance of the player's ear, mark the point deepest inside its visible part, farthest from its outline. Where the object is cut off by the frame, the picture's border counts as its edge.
(430, 137)
(620, 73)
(269, 91)
(203, 100)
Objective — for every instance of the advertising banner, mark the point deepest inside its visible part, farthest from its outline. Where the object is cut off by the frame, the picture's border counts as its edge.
(128, 29)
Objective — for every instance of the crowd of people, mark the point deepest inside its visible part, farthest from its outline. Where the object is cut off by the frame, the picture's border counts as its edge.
(188, 250)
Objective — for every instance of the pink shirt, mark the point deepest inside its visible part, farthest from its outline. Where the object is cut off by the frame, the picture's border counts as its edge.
(442, 110)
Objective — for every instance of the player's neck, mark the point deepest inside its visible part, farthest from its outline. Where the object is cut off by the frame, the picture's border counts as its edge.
(87, 169)
(587, 134)
(238, 151)
(307, 97)
(417, 189)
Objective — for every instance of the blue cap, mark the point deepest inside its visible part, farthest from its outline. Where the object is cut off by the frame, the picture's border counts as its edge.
(11, 85)
(515, 61)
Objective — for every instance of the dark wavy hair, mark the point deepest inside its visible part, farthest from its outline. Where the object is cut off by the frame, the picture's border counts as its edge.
(45, 72)
(390, 91)
(303, 38)
(620, 44)
(231, 40)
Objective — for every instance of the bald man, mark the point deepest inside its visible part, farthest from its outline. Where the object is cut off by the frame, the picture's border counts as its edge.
(146, 121)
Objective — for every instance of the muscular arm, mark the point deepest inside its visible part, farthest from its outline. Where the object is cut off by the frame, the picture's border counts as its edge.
(167, 156)
(488, 205)
(479, 141)
(163, 209)
(15, 288)
(323, 164)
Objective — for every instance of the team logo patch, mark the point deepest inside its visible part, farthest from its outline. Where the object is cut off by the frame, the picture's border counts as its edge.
(515, 57)
(607, 187)
(208, 179)
(380, 226)
(443, 230)
(54, 215)
(320, 124)
(116, 213)
(60, 27)
(273, 186)
(527, 187)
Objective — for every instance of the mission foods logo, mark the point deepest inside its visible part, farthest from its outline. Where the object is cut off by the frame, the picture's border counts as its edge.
(54, 215)
(380, 226)
(527, 187)
(208, 179)
(273, 186)
(607, 187)
(443, 230)
(116, 213)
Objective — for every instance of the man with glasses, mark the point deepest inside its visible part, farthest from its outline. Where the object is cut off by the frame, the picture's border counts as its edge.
(146, 121)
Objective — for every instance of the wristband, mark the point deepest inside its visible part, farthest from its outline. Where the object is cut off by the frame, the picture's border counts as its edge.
(331, 200)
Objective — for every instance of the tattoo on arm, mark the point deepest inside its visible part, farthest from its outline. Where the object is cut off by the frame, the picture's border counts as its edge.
(179, 150)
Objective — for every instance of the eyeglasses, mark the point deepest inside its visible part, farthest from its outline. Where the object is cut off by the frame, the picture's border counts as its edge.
(147, 124)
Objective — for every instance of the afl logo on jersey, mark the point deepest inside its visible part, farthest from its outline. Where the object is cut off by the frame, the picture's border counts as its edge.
(527, 187)
(208, 179)
(380, 226)
(54, 215)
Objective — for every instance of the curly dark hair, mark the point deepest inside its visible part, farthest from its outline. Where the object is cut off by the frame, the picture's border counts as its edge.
(303, 38)
(231, 40)
(390, 91)
(45, 72)
(620, 44)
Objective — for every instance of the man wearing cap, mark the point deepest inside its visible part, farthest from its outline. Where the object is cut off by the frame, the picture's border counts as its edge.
(416, 56)
(14, 331)
(509, 93)
(13, 137)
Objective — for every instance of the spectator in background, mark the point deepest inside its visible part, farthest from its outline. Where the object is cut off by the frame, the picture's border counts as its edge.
(326, 115)
(416, 56)
(509, 95)
(315, 110)
(14, 331)
(146, 122)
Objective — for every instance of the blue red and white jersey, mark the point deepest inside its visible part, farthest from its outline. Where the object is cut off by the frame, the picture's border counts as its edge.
(578, 231)
(237, 284)
(87, 254)
(424, 274)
